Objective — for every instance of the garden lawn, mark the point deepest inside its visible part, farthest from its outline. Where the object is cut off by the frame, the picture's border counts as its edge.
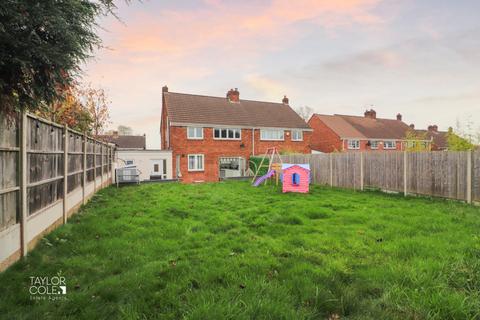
(231, 251)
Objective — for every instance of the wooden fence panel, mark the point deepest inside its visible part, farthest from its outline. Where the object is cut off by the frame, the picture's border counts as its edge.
(320, 166)
(75, 161)
(90, 160)
(384, 170)
(441, 174)
(346, 170)
(42, 136)
(44, 178)
(9, 180)
(476, 176)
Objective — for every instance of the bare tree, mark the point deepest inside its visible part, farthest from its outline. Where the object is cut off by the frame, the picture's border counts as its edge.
(96, 103)
(124, 130)
(304, 112)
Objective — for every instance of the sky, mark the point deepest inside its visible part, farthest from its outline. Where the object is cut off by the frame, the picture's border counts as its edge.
(417, 58)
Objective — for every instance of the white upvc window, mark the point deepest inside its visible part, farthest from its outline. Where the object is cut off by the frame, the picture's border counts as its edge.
(195, 133)
(227, 133)
(374, 144)
(268, 134)
(297, 135)
(195, 162)
(389, 144)
(354, 144)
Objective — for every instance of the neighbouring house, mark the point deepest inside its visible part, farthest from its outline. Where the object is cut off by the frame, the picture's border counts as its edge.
(336, 133)
(439, 139)
(213, 137)
(131, 151)
(122, 142)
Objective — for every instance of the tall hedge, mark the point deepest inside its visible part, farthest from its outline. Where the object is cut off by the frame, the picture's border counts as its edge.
(255, 162)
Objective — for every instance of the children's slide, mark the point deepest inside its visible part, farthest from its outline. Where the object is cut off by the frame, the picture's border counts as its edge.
(263, 178)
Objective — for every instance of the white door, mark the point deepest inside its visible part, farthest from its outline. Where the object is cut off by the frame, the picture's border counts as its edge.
(158, 169)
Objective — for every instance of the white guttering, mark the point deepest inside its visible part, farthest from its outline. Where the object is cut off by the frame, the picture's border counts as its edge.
(209, 125)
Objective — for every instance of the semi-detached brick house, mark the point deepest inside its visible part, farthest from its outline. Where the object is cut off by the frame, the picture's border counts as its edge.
(214, 137)
(336, 133)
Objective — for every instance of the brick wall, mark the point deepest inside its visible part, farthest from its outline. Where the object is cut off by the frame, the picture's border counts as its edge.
(323, 138)
(214, 149)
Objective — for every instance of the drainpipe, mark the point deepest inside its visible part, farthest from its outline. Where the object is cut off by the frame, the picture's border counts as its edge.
(253, 141)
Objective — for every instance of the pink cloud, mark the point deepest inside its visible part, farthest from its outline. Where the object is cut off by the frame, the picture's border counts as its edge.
(239, 27)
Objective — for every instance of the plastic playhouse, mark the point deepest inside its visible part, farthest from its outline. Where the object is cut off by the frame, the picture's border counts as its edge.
(294, 177)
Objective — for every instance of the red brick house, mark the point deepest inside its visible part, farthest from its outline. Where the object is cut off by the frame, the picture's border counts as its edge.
(214, 137)
(355, 133)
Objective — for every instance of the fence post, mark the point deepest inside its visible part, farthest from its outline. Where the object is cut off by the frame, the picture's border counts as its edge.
(112, 158)
(101, 163)
(84, 167)
(331, 169)
(361, 171)
(405, 173)
(469, 176)
(94, 166)
(23, 184)
(65, 172)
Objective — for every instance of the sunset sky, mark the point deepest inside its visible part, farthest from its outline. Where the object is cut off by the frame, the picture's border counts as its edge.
(419, 58)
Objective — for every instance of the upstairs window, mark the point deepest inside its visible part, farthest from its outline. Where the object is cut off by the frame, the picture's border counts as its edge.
(354, 144)
(297, 135)
(271, 134)
(389, 144)
(374, 144)
(194, 132)
(227, 133)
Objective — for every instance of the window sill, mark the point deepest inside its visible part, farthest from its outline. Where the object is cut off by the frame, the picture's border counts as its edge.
(228, 139)
(194, 138)
(196, 170)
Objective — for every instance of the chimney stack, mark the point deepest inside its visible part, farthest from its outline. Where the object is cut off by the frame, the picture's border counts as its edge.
(372, 114)
(433, 128)
(233, 95)
(412, 126)
(285, 100)
(164, 89)
(399, 117)
(115, 134)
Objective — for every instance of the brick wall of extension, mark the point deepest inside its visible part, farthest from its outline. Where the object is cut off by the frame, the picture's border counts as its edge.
(213, 149)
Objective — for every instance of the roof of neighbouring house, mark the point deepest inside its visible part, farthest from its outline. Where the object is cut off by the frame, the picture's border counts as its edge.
(359, 127)
(290, 165)
(439, 138)
(197, 109)
(125, 142)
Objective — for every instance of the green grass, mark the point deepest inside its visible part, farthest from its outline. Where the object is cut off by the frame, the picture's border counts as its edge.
(231, 251)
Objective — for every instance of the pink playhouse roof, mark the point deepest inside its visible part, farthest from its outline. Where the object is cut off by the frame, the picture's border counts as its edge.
(290, 165)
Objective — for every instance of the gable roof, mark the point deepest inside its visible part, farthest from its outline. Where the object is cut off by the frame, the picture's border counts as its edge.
(125, 142)
(364, 128)
(185, 108)
(286, 166)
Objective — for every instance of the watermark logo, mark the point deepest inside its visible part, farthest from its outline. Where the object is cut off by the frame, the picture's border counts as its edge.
(48, 288)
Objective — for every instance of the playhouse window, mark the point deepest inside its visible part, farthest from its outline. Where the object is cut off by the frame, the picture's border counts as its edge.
(295, 179)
